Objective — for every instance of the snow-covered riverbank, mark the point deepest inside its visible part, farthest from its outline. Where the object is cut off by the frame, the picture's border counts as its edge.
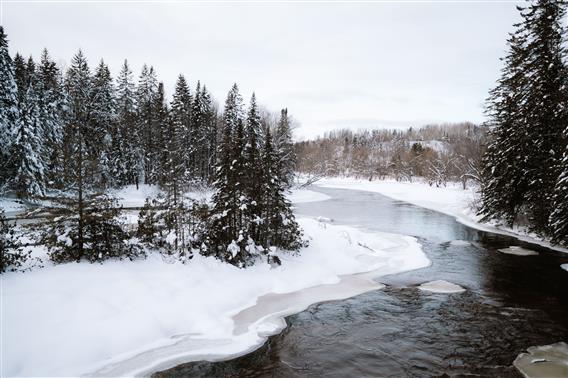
(124, 318)
(451, 200)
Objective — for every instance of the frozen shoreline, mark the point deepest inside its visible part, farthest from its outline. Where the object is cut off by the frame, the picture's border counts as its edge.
(134, 318)
(451, 200)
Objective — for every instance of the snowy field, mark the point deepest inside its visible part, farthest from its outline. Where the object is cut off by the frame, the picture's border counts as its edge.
(127, 318)
(451, 200)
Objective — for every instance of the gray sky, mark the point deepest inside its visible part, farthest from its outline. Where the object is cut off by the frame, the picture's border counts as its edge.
(334, 65)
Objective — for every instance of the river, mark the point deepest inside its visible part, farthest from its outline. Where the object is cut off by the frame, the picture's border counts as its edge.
(511, 303)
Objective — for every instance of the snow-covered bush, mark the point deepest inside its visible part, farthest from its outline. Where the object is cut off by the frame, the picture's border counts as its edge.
(91, 231)
(12, 256)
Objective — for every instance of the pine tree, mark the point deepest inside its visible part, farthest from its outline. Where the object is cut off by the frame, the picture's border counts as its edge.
(559, 216)
(528, 115)
(162, 141)
(504, 182)
(181, 118)
(280, 227)
(27, 153)
(28, 150)
(126, 153)
(103, 125)
(11, 255)
(253, 169)
(8, 110)
(51, 108)
(145, 100)
(285, 149)
(210, 134)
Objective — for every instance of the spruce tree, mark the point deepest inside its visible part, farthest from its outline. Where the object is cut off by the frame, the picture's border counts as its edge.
(181, 118)
(8, 110)
(51, 107)
(126, 155)
(285, 149)
(103, 126)
(528, 115)
(145, 102)
(27, 160)
(11, 255)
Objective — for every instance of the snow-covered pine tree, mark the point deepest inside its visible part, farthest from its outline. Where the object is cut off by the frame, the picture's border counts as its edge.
(27, 154)
(198, 135)
(145, 100)
(210, 125)
(11, 255)
(51, 108)
(181, 117)
(504, 183)
(162, 141)
(545, 105)
(126, 155)
(102, 126)
(280, 228)
(528, 113)
(253, 169)
(559, 216)
(284, 146)
(8, 110)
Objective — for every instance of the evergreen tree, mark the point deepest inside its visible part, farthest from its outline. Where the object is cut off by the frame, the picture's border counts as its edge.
(145, 100)
(181, 118)
(559, 216)
(162, 141)
(285, 149)
(126, 153)
(253, 169)
(210, 130)
(51, 108)
(280, 227)
(11, 255)
(528, 114)
(28, 150)
(103, 126)
(8, 110)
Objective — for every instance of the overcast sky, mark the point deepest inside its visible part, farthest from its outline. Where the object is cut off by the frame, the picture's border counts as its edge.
(334, 65)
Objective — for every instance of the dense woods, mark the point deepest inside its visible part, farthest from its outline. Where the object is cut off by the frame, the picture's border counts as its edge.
(68, 137)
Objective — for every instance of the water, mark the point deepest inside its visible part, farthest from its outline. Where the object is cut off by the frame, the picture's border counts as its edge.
(511, 303)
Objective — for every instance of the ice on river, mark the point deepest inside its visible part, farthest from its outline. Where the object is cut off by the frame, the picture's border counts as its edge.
(518, 251)
(125, 318)
(544, 361)
(460, 243)
(441, 286)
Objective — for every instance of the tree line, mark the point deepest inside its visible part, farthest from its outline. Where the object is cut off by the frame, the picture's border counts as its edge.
(69, 136)
(438, 153)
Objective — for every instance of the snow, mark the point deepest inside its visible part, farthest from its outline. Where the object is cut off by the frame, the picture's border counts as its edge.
(564, 266)
(518, 251)
(10, 205)
(544, 361)
(130, 318)
(441, 286)
(129, 196)
(460, 243)
(450, 200)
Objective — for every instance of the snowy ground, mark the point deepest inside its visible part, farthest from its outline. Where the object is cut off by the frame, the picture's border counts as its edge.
(125, 318)
(451, 200)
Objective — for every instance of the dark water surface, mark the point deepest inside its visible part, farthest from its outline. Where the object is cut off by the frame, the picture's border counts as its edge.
(511, 303)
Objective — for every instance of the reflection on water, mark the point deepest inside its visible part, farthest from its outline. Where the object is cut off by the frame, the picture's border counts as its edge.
(511, 303)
